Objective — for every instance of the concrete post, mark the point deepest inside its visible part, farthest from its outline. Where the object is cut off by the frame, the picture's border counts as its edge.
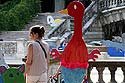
(21, 48)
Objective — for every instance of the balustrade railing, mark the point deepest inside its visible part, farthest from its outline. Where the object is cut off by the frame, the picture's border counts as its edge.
(108, 4)
(106, 63)
(90, 11)
(112, 66)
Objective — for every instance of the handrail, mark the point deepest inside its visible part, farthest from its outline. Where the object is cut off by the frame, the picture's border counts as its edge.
(108, 4)
(90, 8)
(90, 15)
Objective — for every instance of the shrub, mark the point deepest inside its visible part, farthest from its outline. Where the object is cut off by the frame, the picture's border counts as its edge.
(3, 21)
(14, 17)
(8, 5)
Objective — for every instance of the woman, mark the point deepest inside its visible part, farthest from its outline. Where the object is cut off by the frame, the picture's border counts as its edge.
(37, 63)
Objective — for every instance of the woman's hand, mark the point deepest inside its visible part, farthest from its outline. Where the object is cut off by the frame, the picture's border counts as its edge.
(57, 72)
(24, 75)
(55, 75)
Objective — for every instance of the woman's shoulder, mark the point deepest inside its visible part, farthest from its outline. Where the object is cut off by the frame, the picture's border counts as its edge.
(33, 44)
(44, 42)
(30, 45)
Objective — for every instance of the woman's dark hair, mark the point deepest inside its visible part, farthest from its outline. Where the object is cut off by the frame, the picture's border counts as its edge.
(37, 29)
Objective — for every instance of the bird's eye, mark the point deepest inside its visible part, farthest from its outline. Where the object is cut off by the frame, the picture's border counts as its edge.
(10, 75)
(49, 19)
(17, 73)
(75, 7)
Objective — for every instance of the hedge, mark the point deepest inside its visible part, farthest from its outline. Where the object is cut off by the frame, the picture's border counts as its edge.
(8, 5)
(15, 17)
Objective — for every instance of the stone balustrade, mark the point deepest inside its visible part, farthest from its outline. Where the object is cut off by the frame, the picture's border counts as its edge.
(108, 4)
(112, 65)
(90, 11)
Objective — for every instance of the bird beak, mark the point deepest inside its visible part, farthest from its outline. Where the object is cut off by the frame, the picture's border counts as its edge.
(65, 11)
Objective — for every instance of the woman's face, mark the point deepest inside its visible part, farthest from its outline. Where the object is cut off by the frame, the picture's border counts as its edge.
(33, 36)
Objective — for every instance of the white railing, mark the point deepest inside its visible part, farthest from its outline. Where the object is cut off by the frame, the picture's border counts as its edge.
(108, 4)
(90, 11)
(90, 15)
(107, 71)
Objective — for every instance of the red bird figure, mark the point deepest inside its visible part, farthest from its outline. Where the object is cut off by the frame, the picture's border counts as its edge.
(75, 56)
(92, 55)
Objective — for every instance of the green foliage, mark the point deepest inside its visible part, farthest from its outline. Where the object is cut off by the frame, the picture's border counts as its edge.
(3, 21)
(17, 14)
(8, 5)
(12, 21)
